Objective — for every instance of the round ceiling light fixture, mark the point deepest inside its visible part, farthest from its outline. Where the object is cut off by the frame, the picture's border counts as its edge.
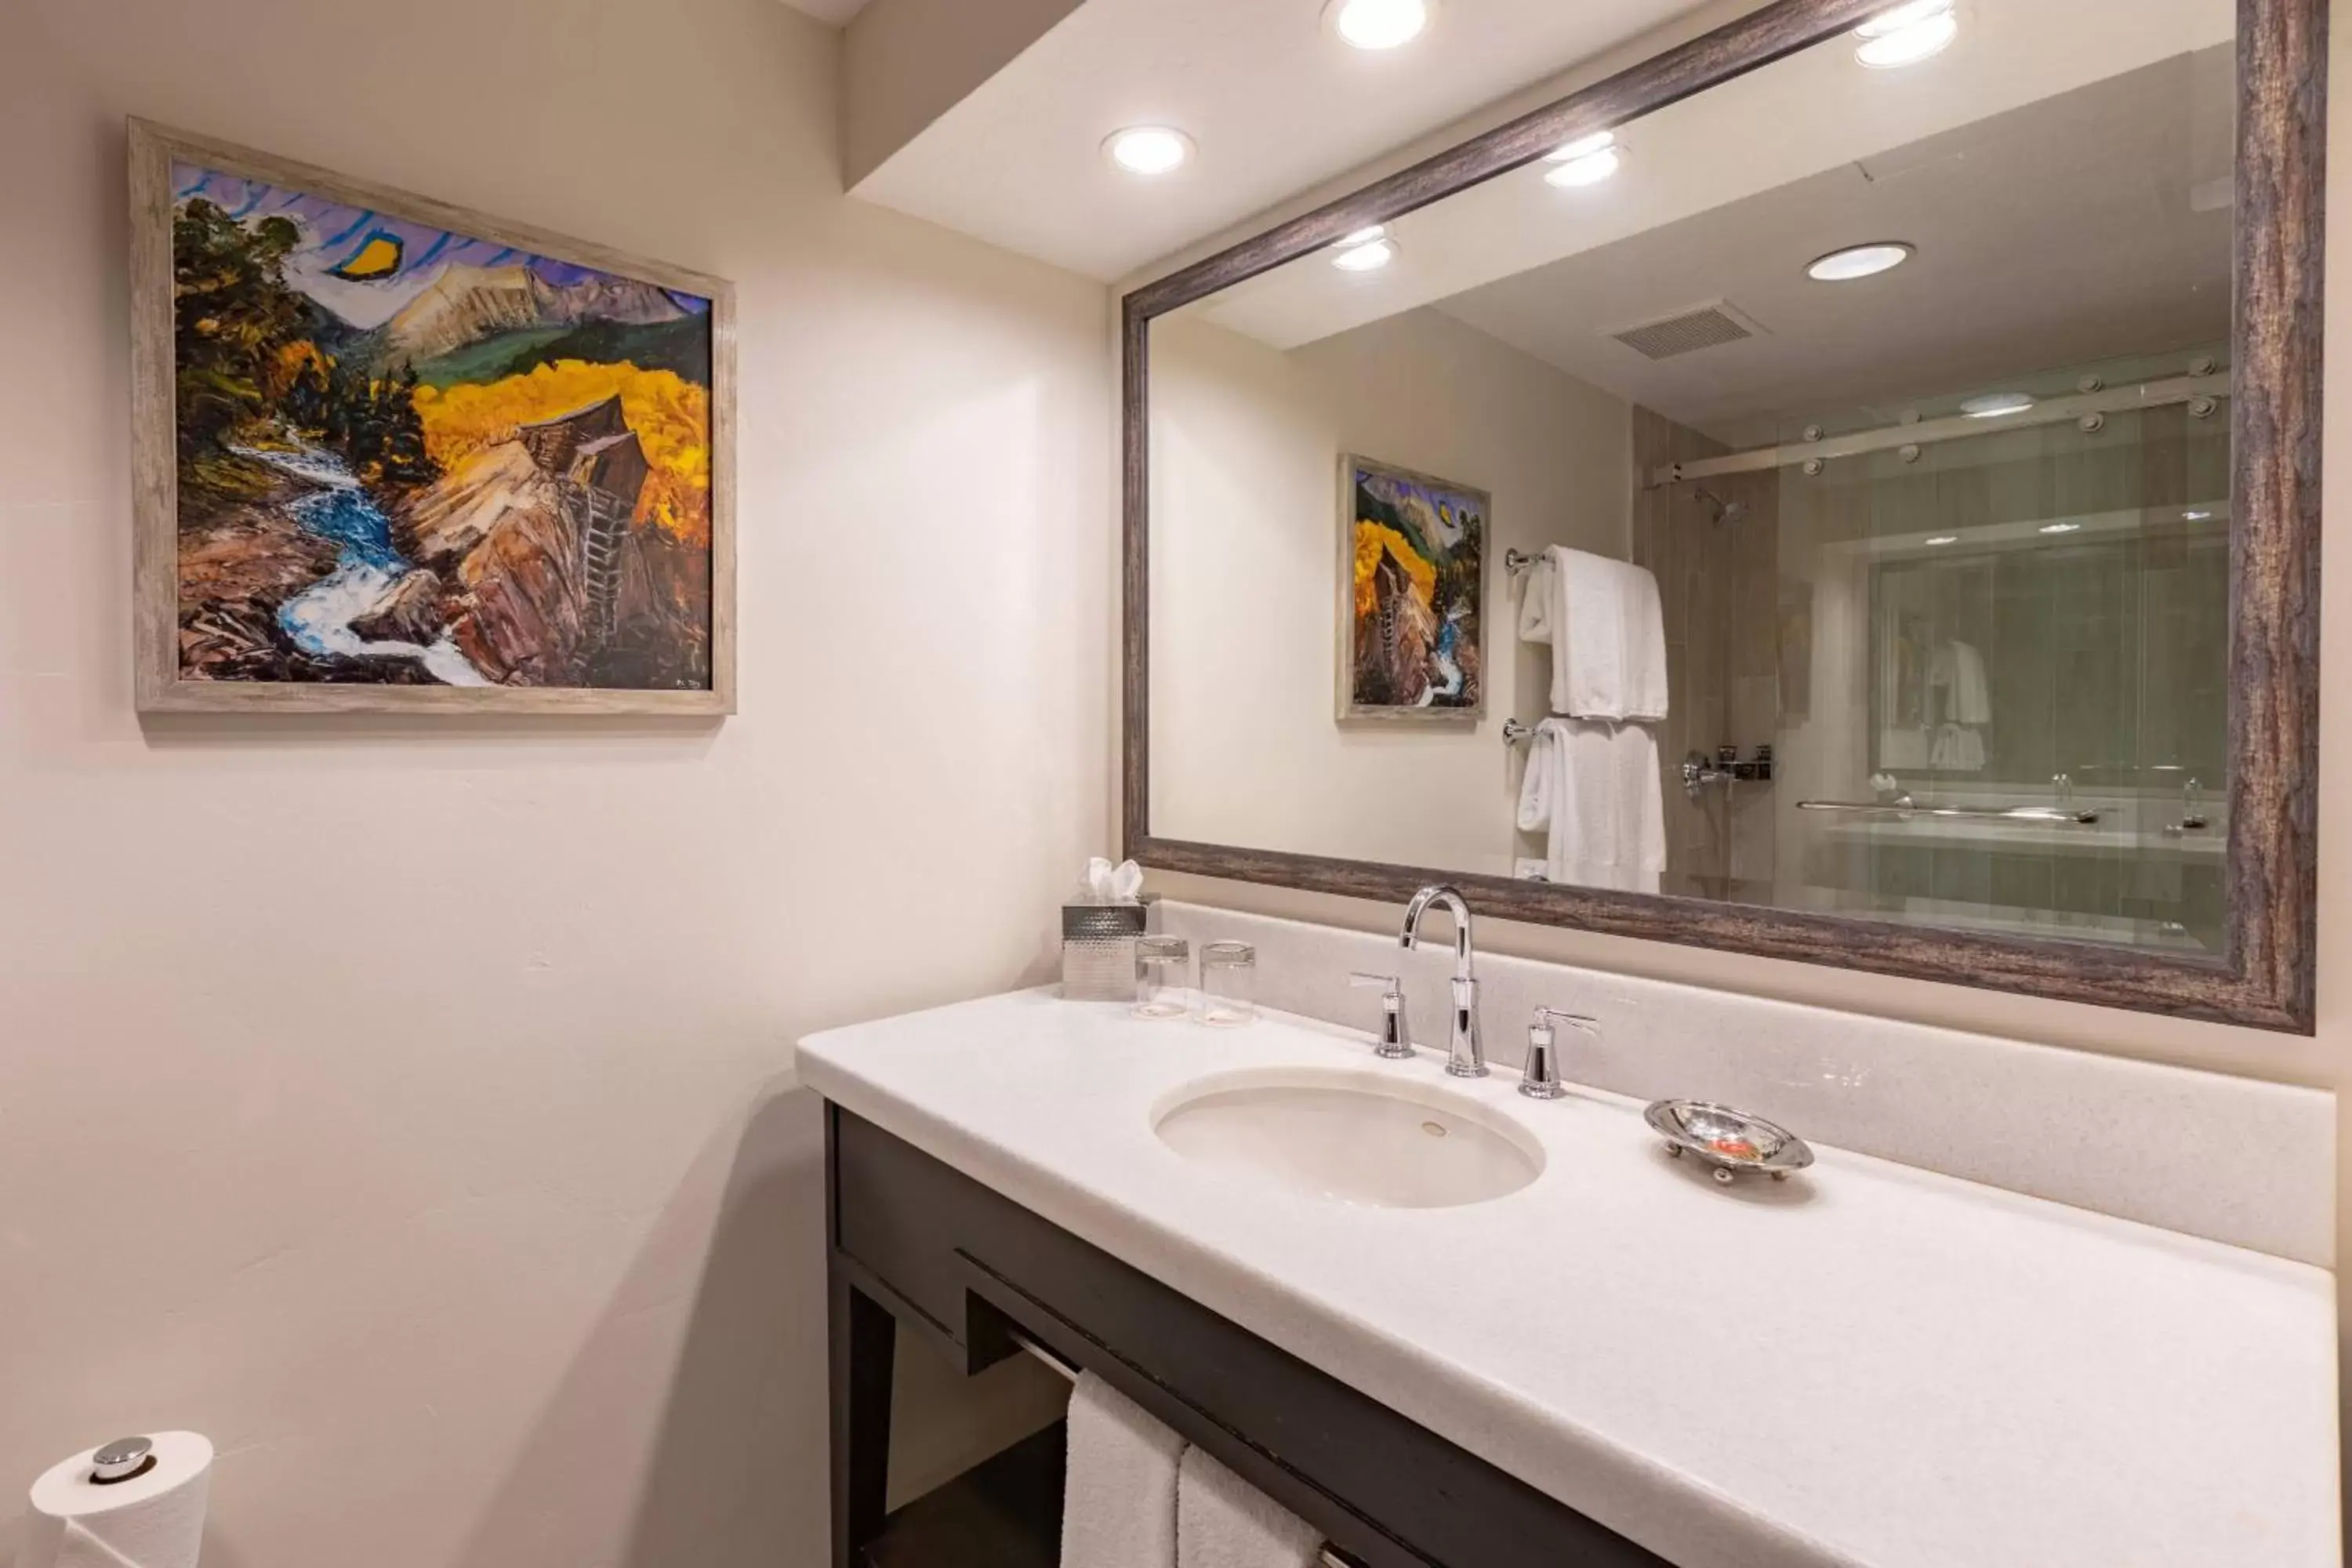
(2061, 528)
(1996, 404)
(1945, 539)
(1378, 24)
(1582, 147)
(1354, 254)
(1587, 161)
(1860, 261)
(1897, 18)
(1149, 150)
(1907, 34)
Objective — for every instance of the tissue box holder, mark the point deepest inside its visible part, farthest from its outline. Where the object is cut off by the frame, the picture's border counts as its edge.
(1098, 952)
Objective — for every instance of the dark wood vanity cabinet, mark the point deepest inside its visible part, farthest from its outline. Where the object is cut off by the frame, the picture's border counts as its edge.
(913, 1241)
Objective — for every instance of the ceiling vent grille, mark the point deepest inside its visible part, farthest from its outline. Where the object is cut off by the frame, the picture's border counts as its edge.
(1687, 332)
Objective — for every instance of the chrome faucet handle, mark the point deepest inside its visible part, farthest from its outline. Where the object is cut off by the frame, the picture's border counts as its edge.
(1541, 1080)
(1396, 1033)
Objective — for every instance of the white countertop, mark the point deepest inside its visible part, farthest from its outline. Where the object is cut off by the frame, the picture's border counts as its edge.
(1870, 1365)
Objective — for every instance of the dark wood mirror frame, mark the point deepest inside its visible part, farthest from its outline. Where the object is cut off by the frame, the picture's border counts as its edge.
(2265, 977)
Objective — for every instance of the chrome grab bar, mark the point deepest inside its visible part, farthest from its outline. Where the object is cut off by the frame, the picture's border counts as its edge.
(1906, 808)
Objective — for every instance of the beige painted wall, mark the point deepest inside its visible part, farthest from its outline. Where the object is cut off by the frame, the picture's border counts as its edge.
(397, 1101)
(2324, 1060)
(1246, 442)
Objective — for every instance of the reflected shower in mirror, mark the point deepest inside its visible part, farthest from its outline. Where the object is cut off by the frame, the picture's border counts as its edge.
(1814, 494)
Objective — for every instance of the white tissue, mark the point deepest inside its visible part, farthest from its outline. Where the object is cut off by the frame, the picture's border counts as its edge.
(1109, 884)
(152, 1521)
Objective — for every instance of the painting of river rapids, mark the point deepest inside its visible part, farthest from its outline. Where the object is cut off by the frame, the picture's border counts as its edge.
(1413, 589)
(406, 456)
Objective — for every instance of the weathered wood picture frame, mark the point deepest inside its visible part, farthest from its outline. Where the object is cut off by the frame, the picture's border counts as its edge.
(2265, 978)
(392, 455)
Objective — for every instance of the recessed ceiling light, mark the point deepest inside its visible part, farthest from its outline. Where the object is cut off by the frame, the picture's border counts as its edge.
(1378, 23)
(1897, 18)
(2195, 516)
(1588, 170)
(1368, 256)
(1945, 539)
(1907, 35)
(1362, 237)
(2061, 528)
(1583, 147)
(1995, 404)
(1149, 149)
(1860, 261)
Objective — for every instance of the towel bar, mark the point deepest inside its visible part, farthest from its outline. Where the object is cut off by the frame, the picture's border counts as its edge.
(1053, 1362)
(1968, 814)
(1517, 561)
(1329, 1555)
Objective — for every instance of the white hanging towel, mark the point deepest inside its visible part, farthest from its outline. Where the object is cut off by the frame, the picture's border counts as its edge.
(1119, 1499)
(1608, 634)
(1537, 597)
(1222, 1522)
(1593, 789)
(1957, 671)
(1958, 748)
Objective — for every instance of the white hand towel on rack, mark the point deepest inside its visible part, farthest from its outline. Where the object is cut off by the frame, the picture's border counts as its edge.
(1222, 1522)
(1537, 593)
(1607, 628)
(1593, 789)
(1119, 1499)
(1956, 670)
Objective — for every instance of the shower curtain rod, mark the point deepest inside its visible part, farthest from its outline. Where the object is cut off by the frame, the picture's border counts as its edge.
(2202, 393)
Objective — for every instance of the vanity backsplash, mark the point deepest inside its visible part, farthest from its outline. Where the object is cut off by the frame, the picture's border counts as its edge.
(2233, 1159)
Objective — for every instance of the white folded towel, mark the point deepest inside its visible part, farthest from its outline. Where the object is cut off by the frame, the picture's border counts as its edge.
(1222, 1522)
(1594, 790)
(1119, 1499)
(1607, 628)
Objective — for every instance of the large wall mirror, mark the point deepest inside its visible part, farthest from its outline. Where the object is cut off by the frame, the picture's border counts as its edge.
(1845, 489)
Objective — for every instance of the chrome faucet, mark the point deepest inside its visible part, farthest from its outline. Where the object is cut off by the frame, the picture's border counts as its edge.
(1466, 1057)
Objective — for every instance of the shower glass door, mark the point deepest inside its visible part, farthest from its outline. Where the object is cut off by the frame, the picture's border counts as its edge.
(2001, 650)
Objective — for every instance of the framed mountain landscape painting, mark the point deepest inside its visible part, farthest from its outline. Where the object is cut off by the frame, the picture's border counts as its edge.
(390, 455)
(1413, 594)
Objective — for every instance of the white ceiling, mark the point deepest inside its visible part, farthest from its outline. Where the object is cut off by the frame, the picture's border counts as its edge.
(2051, 165)
(2078, 229)
(1804, 115)
(1275, 103)
(837, 12)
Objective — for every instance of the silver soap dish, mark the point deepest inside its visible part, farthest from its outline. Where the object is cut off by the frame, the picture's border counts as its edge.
(1731, 1141)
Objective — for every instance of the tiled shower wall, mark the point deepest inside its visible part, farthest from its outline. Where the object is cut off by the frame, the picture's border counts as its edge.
(1719, 581)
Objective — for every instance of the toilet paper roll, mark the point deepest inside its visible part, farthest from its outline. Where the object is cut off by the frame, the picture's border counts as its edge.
(154, 1520)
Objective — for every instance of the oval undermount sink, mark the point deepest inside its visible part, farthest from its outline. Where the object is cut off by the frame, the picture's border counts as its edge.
(1361, 1138)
